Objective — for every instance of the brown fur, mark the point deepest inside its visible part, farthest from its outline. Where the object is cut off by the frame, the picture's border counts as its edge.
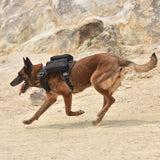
(104, 71)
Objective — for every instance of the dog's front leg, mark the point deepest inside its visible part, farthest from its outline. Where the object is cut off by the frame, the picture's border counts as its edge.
(48, 102)
(68, 102)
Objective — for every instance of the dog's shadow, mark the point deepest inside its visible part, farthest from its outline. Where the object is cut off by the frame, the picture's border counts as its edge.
(104, 124)
(127, 123)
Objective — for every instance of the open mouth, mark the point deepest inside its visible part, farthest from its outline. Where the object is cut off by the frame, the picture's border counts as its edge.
(23, 88)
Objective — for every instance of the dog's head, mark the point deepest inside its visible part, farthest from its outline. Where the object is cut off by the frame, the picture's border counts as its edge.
(24, 75)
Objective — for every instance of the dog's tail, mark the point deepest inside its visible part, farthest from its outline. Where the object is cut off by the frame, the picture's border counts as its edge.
(140, 68)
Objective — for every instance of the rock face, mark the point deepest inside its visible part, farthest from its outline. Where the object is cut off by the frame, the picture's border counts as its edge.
(77, 26)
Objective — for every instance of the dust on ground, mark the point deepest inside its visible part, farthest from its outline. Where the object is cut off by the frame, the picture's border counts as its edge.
(129, 130)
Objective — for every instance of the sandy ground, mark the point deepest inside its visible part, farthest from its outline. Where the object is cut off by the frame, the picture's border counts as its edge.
(129, 131)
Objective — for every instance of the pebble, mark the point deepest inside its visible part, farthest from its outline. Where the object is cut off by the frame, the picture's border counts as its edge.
(128, 86)
(37, 97)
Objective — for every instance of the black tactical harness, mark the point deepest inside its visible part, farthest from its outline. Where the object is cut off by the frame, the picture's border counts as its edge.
(62, 64)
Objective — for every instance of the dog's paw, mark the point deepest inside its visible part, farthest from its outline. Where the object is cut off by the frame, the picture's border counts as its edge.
(95, 123)
(27, 122)
(80, 112)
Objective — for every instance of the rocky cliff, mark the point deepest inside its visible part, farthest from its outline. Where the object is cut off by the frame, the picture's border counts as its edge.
(77, 26)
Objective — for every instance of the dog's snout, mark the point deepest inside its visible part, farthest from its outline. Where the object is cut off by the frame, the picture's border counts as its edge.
(13, 83)
(16, 81)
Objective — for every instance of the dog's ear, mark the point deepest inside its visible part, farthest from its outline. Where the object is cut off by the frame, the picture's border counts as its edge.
(27, 65)
(29, 62)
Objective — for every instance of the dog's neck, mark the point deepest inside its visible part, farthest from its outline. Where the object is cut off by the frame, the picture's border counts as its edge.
(35, 70)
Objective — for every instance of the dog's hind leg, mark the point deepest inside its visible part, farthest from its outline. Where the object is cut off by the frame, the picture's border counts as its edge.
(51, 98)
(104, 101)
(106, 88)
(68, 103)
(110, 101)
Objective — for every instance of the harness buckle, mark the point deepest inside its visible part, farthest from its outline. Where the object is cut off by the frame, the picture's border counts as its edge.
(41, 74)
(65, 74)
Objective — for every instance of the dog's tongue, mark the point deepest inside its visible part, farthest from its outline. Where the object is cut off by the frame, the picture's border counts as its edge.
(22, 88)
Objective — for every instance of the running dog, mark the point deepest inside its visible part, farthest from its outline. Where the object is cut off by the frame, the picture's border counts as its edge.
(104, 71)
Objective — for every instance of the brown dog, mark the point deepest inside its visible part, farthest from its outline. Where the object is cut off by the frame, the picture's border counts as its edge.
(104, 71)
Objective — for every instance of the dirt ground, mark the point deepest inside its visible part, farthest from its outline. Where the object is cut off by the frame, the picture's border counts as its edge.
(129, 131)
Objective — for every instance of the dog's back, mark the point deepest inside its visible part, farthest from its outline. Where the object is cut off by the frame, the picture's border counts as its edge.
(83, 70)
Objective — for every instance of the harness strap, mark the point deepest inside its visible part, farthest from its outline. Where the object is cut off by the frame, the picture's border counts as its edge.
(43, 82)
(65, 75)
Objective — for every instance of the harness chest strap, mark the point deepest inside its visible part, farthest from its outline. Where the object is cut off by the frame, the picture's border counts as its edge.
(42, 74)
